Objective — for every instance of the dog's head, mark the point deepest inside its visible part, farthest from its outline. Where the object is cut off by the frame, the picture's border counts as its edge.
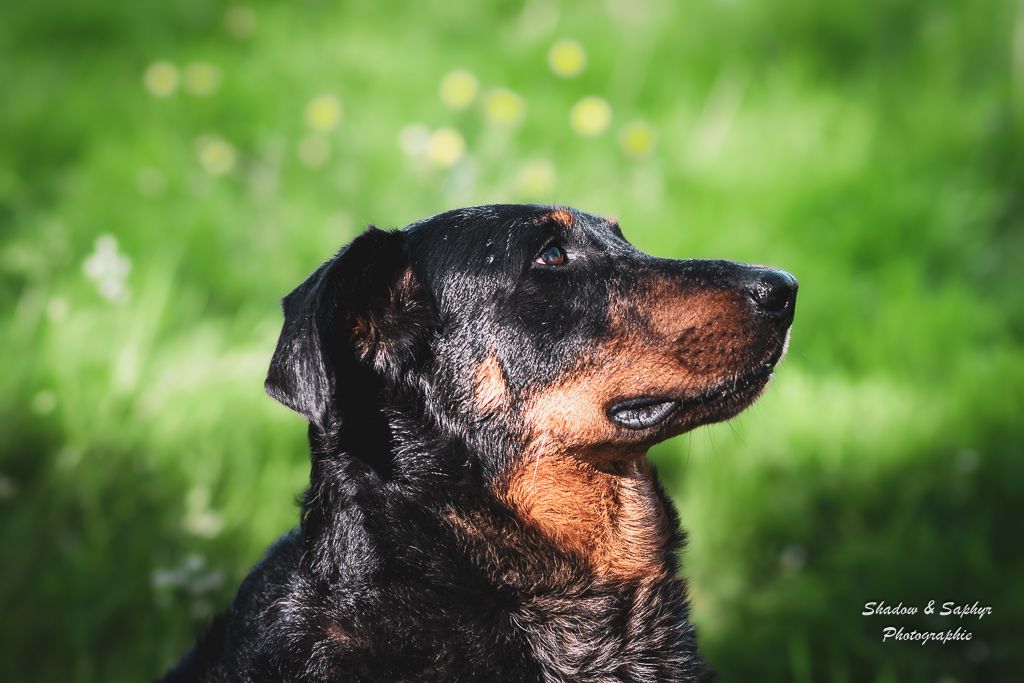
(531, 349)
(538, 327)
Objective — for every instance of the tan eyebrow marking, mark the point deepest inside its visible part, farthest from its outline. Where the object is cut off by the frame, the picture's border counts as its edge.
(562, 217)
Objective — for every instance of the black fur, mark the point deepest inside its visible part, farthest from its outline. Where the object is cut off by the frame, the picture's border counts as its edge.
(408, 565)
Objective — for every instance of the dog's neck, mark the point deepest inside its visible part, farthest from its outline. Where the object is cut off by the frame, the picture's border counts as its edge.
(609, 515)
(614, 519)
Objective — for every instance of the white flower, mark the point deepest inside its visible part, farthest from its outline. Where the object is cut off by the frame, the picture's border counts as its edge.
(108, 268)
(414, 139)
(200, 520)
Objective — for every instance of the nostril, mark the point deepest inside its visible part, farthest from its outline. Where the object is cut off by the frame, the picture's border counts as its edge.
(774, 291)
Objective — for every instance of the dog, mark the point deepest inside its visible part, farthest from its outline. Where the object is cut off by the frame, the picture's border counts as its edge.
(481, 389)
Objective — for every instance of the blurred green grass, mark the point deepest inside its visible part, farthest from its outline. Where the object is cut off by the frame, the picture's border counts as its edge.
(872, 148)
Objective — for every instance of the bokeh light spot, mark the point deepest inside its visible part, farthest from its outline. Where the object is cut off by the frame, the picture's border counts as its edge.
(200, 518)
(44, 402)
(637, 139)
(216, 155)
(161, 78)
(446, 147)
(314, 150)
(414, 139)
(567, 58)
(458, 89)
(323, 113)
(536, 178)
(239, 21)
(200, 78)
(505, 107)
(57, 309)
(339, 223)
(7, 488)
(590, 116)
(150, 181)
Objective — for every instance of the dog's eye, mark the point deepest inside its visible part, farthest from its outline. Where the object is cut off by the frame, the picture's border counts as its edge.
(552, 255)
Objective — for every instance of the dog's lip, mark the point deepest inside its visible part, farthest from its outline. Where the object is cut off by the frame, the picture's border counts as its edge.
(643, 412)
(650, 411)
(734, 386)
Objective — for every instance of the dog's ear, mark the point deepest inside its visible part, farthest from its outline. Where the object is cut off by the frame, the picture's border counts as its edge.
(363, 308)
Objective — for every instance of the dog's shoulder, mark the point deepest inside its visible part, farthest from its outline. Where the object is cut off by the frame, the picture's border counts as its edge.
(232, 643)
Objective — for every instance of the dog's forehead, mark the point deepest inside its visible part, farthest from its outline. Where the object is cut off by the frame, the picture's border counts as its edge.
(487, 248)
(502, 230)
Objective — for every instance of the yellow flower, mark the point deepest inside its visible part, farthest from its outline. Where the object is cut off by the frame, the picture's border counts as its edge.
(216, 155)
(323, 113)
(458, 89)
(161, 79)
(637, 138)
(200, 78)
(590, 116)
(446, 147)
(504, 107)
(567, 58)
(536, 178)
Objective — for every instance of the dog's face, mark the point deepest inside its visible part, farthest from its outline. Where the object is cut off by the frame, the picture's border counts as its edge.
(525, 332)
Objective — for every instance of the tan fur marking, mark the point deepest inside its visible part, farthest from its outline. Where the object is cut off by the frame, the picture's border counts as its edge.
(366, 336)
(673, 309)
(490, 392)
(708, 333)
(562, 217)
(615, 521)
(363, 334)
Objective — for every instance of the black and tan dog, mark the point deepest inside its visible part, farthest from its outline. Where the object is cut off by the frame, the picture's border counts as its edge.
(481, 390)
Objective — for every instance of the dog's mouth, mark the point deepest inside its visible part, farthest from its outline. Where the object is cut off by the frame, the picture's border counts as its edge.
(727, 397)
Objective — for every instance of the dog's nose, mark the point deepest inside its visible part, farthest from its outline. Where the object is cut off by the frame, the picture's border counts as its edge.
(774, 292)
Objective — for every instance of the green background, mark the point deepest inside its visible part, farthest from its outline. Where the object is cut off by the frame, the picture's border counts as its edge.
(873, 148)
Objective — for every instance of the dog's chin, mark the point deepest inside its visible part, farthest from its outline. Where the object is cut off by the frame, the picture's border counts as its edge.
(656, 418)
(722, 403)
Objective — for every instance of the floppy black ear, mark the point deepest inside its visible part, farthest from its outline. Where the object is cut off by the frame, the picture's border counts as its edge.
(363, 307)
